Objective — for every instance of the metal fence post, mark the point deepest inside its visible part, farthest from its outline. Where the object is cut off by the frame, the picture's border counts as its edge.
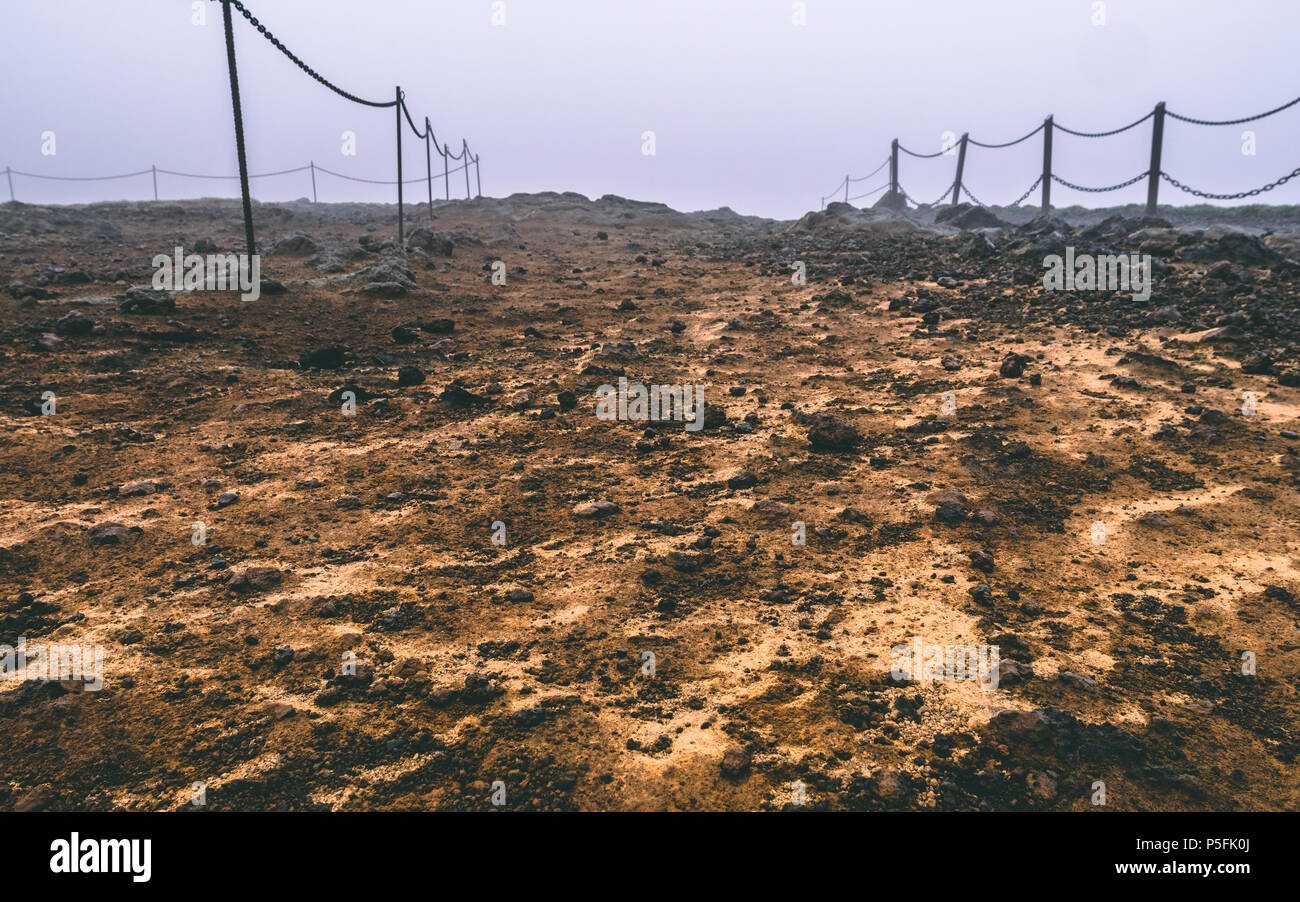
(428, 163)
(446, 173)
(9, 175)
(239, 127)
(464, 155)
(893, 167)
(961, 166)
(313, 181)
(401, 238)
(1047, 165)
(478, 177)
(154, 167)
(1157, 140)
(846, 188)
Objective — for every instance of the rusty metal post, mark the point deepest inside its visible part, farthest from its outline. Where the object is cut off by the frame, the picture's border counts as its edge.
(1047, 165)
(397, 110)
(464, 156)
(893, 167)
(428, 163)
(239, 127)
(1157, 140)
(961, 166)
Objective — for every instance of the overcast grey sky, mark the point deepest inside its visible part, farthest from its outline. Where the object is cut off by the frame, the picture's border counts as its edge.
(749, 109)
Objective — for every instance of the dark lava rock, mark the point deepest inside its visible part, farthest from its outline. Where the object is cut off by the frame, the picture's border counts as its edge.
(735, 763)
(968, 216)
(384, 289)
(828, 432)
(1257, 363)
(950, 512)
(295, 245)
(359, 394)
(431, 242)
(742, 480)
(977, 247)
(255, 579)
(147, 301)
(1245, 250)
(74, 322)
(1012, 672)
(457, 395)
(113, 533)
(409, 375)
(528, 717)
(404, 335)
(1013, 366)
(714, 415)
(889, 785)
(328, 358)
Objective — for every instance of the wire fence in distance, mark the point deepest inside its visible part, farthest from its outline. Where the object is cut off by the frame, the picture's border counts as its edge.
(312, 167)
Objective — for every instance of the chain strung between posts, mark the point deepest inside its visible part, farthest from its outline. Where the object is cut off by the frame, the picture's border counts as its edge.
(1251, 193)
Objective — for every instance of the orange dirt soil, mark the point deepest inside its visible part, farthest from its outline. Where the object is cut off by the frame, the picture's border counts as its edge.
(525, 663)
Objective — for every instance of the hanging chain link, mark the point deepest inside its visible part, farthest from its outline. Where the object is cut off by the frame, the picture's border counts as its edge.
(1113, 131)
(1125, 184)
(1251, 193)
(1007, 143)
(1284, 106)
(932, 203)
(1030, 190)
(252, 20)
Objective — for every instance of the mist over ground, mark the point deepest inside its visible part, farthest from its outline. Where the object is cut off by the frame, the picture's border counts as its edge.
(749, 109)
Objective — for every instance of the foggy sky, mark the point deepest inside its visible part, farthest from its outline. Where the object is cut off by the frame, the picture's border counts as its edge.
(749, 110)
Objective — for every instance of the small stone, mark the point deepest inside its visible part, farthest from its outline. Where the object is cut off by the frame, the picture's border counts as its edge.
(1080, 681)
(828, 432)
(742, 480)
(769, 507)
(113, 533)
(142, 487)
(255, 579)
(1155, 519)
(404, 335)
(409, 375)
(1013, 366)
(601, 508)
(1041, 786)
(735, 762)
(74, 322)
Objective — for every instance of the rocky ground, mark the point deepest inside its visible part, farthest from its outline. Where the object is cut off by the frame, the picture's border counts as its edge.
(523, 665)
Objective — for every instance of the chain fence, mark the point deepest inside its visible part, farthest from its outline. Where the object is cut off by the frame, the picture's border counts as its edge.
(1153, 173)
